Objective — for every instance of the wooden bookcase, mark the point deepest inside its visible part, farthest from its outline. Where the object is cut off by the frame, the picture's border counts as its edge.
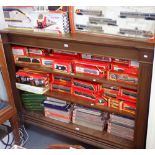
(110, 46)
(9, 112)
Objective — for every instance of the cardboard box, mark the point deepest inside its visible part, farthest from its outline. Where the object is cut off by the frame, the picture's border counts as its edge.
(122, 77)
(19, 51)
(95, 57)
(61, 79)
(88, 86)
(91, 68)
(127, 95)
(124, 69)
(129, 107)
(27, 60)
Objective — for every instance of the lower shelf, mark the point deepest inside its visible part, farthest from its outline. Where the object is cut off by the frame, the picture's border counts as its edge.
(84, 134)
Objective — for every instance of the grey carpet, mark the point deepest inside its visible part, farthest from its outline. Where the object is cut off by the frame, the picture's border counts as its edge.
(41, 138)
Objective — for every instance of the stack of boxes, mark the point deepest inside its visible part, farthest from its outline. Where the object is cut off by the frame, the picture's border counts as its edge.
(90, 118)
(57, 109)
(33, 102)
(121, 126)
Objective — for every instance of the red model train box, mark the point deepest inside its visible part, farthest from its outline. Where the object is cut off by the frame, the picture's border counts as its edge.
(107, 92)
(67, 55)
(88, 86)
(47, 62)
(56, 78)
(61, 87)
(121, 61)
(63, 65)
(84, 94)
(129, 107)
(37, 51)
(122, 77)
(19, 50)
(114, 103)
(34, 79)
(124, 69)
(96, 57)
(27, 60)
(93, 68)
(127, 95)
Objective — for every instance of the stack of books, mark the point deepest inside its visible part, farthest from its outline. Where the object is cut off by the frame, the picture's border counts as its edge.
(121, 126)
(58, 109)
(33, 102)
(88, 117)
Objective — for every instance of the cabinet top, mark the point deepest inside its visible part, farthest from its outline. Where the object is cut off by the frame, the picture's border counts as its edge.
(107, 40)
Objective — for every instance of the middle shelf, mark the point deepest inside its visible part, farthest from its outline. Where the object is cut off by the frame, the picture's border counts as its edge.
(86, 103)
(78, 76)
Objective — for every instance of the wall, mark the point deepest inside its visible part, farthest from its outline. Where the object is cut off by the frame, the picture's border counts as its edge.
(150, 143)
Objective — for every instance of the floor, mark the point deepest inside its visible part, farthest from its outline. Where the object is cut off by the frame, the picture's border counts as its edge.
(40, 139)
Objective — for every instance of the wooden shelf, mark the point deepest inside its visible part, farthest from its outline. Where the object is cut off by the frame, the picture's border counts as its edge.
(84, 134)
(7, 113)
(84, 102)
(78, 76)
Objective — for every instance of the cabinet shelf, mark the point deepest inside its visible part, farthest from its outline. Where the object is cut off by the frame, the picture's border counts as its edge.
(78, 76)
(84, 134)
(85, 102)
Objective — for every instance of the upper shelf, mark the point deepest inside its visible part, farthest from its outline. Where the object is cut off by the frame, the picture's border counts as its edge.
(111, 46)
(87, 38)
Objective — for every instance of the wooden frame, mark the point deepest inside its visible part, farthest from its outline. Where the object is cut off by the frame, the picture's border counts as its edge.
(117, 47)
(8, 113)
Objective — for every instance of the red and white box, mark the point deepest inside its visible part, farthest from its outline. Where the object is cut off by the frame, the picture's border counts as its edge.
(47, 62)
(67, 55)
(56, 78)
(64, 88)
(19, 51)
(93, 68)
(36, 52)
(62, 65)
(27, 60)
(115, 103)
(122, 77)
(88, 86)
(96, 57)
(129, 107)
(127, 95)
(124, 69)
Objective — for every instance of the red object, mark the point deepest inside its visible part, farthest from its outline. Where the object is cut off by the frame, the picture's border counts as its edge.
(34, 79)
(121, 61)
(114, 103)
(88, 86)
(36, 52)
(128, 95)
(93, 68)
(47, 61)
(64, 88)
(110, 93)
(61, 65)
(20, 50)
(129, 107)
(121, 68)
(60, 79)
(67, 55)
(122, 77)
(84, 94)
